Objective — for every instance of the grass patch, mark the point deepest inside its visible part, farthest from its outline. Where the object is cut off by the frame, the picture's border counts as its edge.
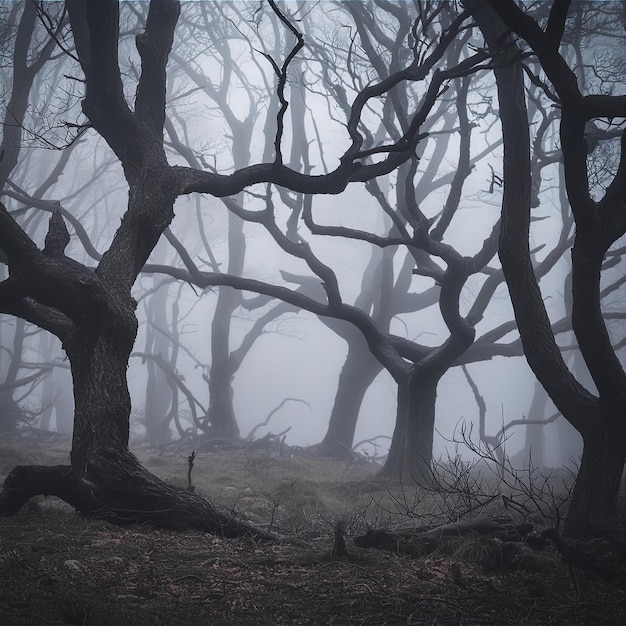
(58, 568)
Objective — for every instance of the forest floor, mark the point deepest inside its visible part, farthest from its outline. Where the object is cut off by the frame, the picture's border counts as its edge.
(58, 568)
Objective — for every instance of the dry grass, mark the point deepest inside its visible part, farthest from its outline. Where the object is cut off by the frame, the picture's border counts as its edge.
(57, 568)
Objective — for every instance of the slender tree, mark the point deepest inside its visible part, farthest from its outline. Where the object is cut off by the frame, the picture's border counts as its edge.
(601, 418)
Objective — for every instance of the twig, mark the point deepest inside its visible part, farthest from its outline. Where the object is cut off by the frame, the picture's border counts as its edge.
(190, 459)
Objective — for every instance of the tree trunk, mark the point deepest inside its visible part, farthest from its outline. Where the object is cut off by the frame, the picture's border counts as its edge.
(421, 424)
(159, 394)
(594, 502)
(47, 391)
(221, 412)
(411, 450)
(395, 459)
(599, 420)
(357, 374)
(10, 411)
(98, 358)
(595, 495)
(535, 440)
(104, 478)
(98, 328)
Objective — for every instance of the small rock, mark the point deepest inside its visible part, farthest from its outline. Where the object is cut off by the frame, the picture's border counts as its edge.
(72, 564)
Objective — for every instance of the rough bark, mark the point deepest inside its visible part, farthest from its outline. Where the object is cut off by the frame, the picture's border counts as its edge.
(411, 451)
(114, 486)
(91, 309)
(600, 420)
(104, 478)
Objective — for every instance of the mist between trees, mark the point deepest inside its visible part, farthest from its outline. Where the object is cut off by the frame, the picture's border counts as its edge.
(362, 228)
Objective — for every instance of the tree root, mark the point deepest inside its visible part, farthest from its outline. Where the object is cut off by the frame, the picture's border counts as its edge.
(115, 487)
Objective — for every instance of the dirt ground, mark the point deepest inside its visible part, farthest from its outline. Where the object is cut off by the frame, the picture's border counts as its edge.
(57, 568)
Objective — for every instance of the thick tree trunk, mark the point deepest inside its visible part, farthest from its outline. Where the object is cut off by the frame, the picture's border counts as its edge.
(411, 450)
(594, 505)
(99, 355)
(421, 424)
(595, 496)
(601, 421)
(104, 478)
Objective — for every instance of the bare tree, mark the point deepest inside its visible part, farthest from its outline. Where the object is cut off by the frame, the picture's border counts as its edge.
(92, 310)
(601, 418)
(372, 313)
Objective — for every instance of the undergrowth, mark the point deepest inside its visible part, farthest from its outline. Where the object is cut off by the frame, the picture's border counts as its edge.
(58, 568)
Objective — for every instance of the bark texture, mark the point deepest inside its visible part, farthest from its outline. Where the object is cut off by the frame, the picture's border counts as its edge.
(601, 420)
(91, 309)
(115, 487)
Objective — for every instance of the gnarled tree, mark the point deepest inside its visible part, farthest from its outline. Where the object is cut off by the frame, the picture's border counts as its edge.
(92, 310)
(601, 418)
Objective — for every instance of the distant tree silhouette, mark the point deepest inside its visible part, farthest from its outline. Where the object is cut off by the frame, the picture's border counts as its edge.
(93, 312)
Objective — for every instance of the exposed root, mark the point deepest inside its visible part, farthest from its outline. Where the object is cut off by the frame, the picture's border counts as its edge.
(114, 486)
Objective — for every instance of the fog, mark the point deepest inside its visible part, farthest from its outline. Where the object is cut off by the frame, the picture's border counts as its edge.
(297, 356)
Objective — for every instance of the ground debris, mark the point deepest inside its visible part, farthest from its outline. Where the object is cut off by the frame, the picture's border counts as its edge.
(141, 576)
(138, 575)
